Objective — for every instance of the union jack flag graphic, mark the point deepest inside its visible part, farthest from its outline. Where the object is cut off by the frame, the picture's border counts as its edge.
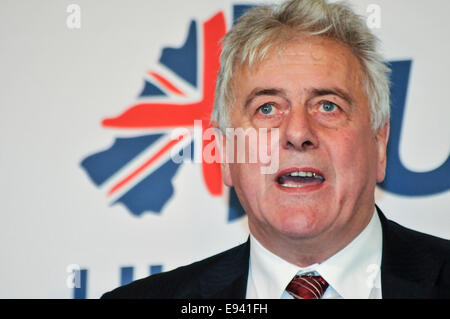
(137, 171)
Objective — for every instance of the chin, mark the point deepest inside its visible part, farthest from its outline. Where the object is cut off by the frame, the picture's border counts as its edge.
(305, 224)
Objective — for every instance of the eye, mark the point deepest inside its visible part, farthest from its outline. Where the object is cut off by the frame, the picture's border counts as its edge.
(328, 107)
(266, 109)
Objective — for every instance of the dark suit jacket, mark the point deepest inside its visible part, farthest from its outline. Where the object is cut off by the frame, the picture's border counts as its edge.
(414, 265)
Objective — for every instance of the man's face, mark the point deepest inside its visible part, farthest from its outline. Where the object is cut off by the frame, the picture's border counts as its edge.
(312, 91)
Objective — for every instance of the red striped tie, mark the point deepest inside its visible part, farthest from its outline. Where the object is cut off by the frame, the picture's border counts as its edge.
(307, 287)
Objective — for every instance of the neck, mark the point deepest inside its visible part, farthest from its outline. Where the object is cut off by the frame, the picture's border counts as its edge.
(306, 251)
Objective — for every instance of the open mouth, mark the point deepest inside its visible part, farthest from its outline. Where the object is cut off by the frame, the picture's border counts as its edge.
(298, 178)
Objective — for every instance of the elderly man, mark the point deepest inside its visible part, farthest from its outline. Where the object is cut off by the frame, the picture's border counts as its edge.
(310, 71)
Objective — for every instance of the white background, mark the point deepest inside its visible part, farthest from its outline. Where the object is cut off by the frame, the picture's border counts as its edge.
(57, 84)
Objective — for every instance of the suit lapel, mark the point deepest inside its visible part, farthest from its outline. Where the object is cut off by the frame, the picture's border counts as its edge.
(408, 270)
(227, 278)
(234, 290)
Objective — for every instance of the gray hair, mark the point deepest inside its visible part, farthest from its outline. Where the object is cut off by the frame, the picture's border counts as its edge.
(261, 27)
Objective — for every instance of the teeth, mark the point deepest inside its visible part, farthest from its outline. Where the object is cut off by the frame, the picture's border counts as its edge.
(292, 185)
(303, 174)
(300, 174)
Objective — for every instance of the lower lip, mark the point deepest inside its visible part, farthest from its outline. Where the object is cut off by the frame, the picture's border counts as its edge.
(302, 189)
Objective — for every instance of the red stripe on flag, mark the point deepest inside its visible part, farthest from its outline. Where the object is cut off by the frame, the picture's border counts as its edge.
(152, 159)
(163, 81)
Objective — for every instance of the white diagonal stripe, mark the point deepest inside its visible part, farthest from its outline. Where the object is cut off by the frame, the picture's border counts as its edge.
(294, 295)
(318, 291)
(319, 284)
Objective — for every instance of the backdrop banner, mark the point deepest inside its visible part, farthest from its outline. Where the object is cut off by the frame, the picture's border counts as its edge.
(99, 97)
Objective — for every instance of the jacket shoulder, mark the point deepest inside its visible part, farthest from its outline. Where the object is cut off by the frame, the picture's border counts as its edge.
(181, 282)
(419, 240)
(416, 256)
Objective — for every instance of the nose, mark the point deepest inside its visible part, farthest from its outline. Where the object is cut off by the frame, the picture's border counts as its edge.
(298, 132)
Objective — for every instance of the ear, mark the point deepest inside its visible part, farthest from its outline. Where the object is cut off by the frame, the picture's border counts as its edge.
(381, 140)
(221, 142)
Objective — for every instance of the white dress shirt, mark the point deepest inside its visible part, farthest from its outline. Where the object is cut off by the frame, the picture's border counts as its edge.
(352, 273)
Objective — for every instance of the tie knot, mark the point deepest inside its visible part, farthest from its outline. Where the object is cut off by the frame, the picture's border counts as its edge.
(307, 287)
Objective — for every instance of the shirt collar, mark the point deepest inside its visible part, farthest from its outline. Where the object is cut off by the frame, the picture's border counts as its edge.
(347, 271)
(269, 273)
(351, 270)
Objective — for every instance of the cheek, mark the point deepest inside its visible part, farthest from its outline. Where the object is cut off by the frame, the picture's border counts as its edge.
(249, 183)
(354, 158)
(244, 177)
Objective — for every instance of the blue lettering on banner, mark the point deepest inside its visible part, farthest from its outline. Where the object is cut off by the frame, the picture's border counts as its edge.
(155, 269)
(126, 277)
(399, 179)
(80, 292)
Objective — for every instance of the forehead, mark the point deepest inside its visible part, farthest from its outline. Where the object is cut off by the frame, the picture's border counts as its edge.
(304, 61)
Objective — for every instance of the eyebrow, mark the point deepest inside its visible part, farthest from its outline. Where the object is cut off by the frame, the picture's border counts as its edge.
(314, 92)
(264, 91)
(332, 91)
